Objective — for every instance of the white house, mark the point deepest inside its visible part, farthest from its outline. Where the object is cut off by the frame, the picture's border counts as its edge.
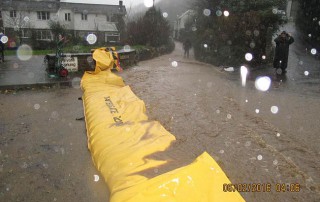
(33, 16)
(180, 22)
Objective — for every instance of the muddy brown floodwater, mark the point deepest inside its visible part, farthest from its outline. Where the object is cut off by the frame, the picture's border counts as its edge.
(43, 149)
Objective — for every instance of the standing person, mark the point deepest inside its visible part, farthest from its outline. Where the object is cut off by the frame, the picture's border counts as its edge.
(282, 51)
(1, 46)
(186, 47)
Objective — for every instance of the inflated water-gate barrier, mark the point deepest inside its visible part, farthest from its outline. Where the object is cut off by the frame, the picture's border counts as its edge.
(121, 139)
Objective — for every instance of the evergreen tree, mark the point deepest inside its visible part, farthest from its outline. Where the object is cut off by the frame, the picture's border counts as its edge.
(308, 19)
(224, 39)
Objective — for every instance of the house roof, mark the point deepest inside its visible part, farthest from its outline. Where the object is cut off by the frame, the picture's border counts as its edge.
(53, 6)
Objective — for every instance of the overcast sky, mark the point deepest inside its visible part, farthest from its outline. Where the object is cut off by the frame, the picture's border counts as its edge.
(112, 2)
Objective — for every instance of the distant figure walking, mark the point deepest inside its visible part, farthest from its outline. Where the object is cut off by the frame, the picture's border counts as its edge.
(282, 51)
(186, 47)
(1, 47)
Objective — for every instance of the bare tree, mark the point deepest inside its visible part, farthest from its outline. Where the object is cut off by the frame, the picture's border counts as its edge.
(18, 20)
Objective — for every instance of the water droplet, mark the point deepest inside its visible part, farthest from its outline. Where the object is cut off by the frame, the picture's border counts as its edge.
(76, 81)
(4, 39)
(54, 115)
(256, 32)
(174, 64)
(244, 73)
(279, 71)
(148, 3)
(221, 151)
(248, 32)
(16, 65)
(24, 52)
(252, 45)
(7, 189)
(91, 39)
(278, 134)
(89, 59)
(313, 51)
(218, 111)
(194, 28)
(309, 35)
(306, 73)
(259, 157)
(226, 13)
(127, 48)
(274, 109)
(24, 165)
(76, 48)
(229, 116)
(264, 57)
(205, 45)
(165, 14)
(263, 83)
(247, 101)
(257, 111)
(36, 106)
(218, 13)
(45, 165)
(206, 12)
(247, 144)
(26, 19)
(248, 56)
(96, 178)
(300, 62)
(275, 162)
(274, 11)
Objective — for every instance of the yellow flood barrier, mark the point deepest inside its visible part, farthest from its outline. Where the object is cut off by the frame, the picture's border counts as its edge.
(121, 140)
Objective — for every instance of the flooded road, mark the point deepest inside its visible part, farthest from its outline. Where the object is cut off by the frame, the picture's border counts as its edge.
(257, 137)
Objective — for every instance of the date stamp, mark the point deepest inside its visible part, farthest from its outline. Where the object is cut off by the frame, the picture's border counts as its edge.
(261, 187)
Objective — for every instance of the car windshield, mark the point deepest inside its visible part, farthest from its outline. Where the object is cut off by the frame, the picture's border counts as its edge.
(159, 100)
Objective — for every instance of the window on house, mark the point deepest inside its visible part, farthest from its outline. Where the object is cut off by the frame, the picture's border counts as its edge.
(67, 16)
(13, 14)
(112, 37)
(44, 35)
(42, 15)
(25, 33)
(84, 16)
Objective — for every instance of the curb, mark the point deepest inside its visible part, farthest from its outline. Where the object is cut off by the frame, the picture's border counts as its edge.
(36, 85)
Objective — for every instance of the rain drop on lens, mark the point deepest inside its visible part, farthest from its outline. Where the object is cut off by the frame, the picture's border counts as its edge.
(219, 13)
(36, 106)
(274, 109)
(274, 11)
(148, 3)
(278, 134)
(248, 56)
(313, 51)
(257, 111)
(259, 157)
(205, 45)
(226, 13)
(76, 82)
(91, 39)
(244, 73)
(4, 39)
(263, 83)
(306, 73)
(174, 64)
(26, 19)
(96, 178)
(263, 57)
(126, 48)
(24, 52)
(206, 12)
(229, 116)
(165, 15)
(275, 162)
